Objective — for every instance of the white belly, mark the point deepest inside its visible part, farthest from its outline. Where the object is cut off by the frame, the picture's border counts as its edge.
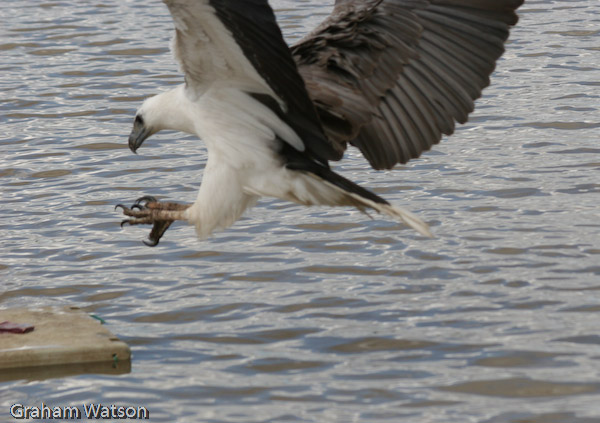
(243, 163)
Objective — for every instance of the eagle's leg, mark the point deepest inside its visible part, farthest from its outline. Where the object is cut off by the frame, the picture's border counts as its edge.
(148, 211)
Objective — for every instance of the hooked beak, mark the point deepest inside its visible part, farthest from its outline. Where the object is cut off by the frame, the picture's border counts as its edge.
(138, 134)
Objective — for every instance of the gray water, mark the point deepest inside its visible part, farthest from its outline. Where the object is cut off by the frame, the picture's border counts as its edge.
(297, 314)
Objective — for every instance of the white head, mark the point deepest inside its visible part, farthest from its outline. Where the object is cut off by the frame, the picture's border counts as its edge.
(163, 111)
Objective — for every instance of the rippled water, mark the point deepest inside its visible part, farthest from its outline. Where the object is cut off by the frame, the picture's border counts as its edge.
(309, 315)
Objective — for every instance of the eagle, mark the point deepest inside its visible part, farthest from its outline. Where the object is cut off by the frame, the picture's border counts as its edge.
(388, 77)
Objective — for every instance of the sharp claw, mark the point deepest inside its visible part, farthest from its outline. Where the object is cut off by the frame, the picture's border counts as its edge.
(158, 230)
(145, 216)
(153, 243)
(146, 199)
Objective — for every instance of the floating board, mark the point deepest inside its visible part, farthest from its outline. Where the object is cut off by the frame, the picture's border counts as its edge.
(61, 336)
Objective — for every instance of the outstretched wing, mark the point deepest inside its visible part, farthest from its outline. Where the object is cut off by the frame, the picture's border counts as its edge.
(239, 40)
(392, 76)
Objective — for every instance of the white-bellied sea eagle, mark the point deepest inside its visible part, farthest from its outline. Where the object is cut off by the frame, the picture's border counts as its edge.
(386, 76)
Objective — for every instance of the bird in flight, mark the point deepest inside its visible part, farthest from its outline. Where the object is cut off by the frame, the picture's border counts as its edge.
(386, 76)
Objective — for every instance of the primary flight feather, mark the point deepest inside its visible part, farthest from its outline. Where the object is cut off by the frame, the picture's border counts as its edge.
(387, 76)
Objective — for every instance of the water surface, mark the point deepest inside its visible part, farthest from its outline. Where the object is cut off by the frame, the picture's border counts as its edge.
(309, 315)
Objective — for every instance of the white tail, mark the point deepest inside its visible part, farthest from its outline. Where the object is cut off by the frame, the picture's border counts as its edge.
(347, 198)
(405, 216)
(395, 212)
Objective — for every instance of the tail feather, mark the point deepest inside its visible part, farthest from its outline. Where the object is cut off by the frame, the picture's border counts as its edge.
(395, 212)
(350, 194)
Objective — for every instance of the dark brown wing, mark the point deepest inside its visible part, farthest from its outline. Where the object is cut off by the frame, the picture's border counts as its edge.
(392, 76)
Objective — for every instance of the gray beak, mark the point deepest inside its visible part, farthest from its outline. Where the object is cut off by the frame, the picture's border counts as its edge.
(138, 134)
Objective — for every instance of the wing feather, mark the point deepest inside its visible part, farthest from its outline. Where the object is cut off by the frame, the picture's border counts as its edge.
(392, 76)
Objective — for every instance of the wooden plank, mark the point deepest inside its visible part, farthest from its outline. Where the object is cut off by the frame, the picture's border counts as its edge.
(62, 335)
(64, 370)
